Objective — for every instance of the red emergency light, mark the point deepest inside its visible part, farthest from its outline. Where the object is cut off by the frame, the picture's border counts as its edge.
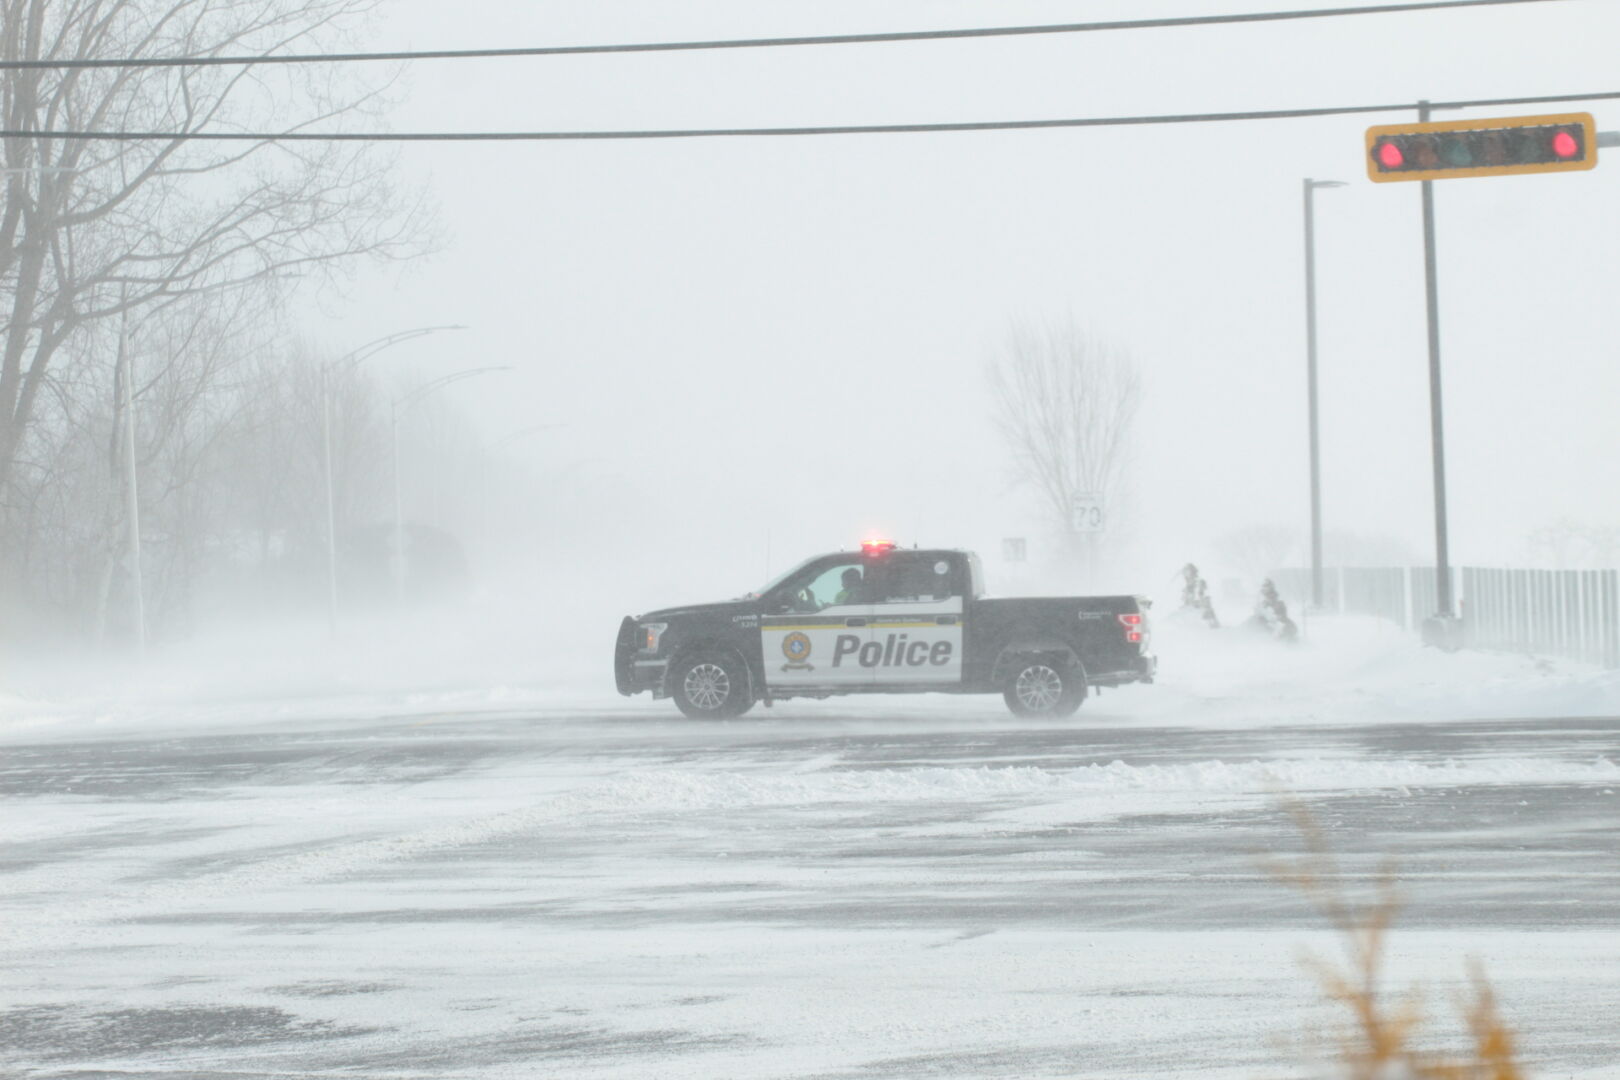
(877, 547)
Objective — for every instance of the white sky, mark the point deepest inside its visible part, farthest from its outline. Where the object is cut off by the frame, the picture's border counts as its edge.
(787, 335)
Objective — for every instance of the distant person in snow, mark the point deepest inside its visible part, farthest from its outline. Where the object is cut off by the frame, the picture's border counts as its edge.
(1271, 614)
(1195, 596)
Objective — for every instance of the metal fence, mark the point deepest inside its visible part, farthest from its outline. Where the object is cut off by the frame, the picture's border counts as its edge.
(1389, 592)
(1573, 613)
(1569, 613)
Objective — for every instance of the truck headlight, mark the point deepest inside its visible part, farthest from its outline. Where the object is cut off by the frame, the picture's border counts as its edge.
(653, 631)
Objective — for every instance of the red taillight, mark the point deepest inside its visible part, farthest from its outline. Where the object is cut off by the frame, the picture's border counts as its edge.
(1133, 628)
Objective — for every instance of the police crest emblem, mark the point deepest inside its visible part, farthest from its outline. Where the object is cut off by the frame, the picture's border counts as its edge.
(796, 647)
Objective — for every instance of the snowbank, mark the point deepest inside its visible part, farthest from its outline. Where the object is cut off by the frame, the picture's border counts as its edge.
(1351, 669)
(480, 657)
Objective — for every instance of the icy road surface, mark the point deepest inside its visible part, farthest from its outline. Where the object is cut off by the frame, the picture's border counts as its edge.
(871, 888)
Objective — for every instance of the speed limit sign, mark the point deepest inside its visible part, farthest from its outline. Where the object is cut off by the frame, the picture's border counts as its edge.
(1086, 513)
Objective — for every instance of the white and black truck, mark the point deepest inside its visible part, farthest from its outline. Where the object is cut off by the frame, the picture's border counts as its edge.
(885, 620)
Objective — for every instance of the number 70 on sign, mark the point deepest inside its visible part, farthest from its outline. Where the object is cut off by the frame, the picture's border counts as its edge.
(1086, 513)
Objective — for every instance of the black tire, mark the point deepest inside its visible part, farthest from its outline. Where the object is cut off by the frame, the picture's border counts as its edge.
(711, 685)
(1040, 686)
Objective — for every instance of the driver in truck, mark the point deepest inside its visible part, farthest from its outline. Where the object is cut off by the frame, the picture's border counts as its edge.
(852, 591)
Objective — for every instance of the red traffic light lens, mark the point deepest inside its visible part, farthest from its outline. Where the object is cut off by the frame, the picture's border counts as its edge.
(1499, 146)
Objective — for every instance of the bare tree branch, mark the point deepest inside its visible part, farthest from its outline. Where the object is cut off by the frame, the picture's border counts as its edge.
(1065, 404)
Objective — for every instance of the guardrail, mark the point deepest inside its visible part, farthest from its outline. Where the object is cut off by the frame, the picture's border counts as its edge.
(1568, 613)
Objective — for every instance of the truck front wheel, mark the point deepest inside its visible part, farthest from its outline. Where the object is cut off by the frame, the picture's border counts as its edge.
(711, 685)
(1042, 687)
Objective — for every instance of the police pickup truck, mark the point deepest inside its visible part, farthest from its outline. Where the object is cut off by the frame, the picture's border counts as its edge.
(889, 621)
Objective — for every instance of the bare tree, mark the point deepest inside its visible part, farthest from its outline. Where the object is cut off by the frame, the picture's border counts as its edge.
(1567, 544)
(167, 234)
(275, 457)
(1257, 551)
(93, 229)
(69, 546)
(1065, 403)
(190, 395)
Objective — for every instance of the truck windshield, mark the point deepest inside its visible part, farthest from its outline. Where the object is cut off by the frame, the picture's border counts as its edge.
(783, 576)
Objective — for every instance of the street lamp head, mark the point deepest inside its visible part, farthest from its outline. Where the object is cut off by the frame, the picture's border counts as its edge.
(372, 348)
(405, 401)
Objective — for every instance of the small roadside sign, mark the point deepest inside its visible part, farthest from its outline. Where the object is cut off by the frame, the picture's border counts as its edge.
(1086, 513)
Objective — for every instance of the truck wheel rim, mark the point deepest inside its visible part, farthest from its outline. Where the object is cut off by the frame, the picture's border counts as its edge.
(707, 686)
(1038, 688)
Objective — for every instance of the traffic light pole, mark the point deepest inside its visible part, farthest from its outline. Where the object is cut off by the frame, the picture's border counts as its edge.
(1442, 556)
(1428, 151)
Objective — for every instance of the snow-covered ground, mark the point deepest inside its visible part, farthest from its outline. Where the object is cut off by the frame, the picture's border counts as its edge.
(317, 865)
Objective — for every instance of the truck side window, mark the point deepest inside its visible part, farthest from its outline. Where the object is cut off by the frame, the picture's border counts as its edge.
(910, 579)
(841, 583)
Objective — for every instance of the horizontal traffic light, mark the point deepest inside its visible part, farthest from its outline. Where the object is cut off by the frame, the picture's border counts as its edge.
(1506, 146)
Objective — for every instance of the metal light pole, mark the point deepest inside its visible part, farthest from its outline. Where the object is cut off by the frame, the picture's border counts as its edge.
(400, 406)
(1310, 379)
(132, 500)
(331, 501)
(345, 362)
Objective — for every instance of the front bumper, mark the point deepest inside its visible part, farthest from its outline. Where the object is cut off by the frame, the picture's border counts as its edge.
(648, 675)
(624, 651)
(634, 673)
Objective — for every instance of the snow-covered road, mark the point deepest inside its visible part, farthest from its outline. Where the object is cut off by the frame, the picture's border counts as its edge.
(902, 888)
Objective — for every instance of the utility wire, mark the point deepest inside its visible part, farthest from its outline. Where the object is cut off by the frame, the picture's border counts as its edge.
(840, 129)
(752, 43)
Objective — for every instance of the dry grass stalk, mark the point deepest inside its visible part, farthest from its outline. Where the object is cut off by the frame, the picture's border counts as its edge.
(1380, 1042)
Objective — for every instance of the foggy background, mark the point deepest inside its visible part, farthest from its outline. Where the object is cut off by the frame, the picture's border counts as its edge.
(727, 355)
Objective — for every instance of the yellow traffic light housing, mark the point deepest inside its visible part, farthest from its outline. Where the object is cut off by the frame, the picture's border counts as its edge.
(1505, 146)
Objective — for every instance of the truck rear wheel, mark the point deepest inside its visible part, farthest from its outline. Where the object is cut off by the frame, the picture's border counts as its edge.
(1044, 687)
(711, 685)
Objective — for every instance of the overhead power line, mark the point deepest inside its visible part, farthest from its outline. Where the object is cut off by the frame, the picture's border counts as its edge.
(750, 132)
(752, 43)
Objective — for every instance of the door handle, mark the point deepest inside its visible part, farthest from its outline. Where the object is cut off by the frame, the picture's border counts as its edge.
(855, 622)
